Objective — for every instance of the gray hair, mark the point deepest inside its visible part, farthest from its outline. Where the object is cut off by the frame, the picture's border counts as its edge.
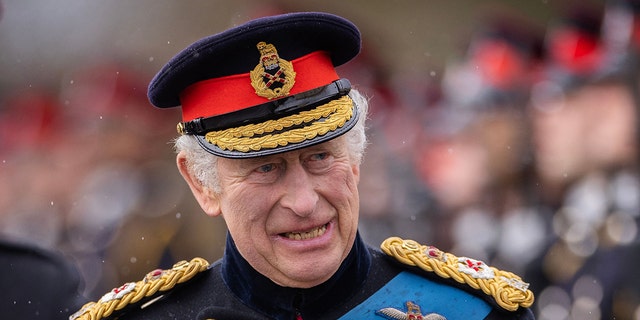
(203, 164)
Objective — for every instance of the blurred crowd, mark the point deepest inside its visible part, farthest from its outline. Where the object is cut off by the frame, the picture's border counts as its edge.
(89, 170)
(522, 153)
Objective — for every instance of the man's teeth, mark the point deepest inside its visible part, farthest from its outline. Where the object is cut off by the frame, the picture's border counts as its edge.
(307, 235)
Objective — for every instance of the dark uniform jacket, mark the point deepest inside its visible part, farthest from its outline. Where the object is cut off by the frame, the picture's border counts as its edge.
(368, 285)
(37, 283)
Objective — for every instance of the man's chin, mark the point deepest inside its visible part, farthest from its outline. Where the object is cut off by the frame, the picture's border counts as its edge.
(310, 274)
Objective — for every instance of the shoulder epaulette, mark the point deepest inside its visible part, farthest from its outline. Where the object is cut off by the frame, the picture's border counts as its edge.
(154, 284)
(507, 289)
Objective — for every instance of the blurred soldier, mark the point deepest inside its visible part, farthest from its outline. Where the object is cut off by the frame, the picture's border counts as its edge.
(475, 157)
(37, 284)
(584, 121)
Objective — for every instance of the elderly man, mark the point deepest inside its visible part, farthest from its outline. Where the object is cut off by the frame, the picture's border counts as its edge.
(272, 140)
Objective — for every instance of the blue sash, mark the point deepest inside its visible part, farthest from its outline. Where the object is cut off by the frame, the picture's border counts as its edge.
(432, 297)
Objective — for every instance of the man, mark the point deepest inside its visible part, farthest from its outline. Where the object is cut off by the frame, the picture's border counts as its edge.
(272, 140)
(584, 121)
(37, 283)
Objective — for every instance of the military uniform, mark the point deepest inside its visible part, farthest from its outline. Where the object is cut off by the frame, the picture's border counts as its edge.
(369, 285)
(591, 206)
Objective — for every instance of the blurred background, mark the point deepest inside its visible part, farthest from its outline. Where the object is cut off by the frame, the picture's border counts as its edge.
(501, 130)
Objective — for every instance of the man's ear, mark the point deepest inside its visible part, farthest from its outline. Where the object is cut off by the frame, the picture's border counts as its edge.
(207, 198)
(355, 168)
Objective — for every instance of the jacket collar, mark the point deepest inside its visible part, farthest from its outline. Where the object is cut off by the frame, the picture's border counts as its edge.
(263, 295)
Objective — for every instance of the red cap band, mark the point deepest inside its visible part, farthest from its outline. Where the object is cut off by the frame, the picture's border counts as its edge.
(499, 63)
(223, 95)
(576, 51)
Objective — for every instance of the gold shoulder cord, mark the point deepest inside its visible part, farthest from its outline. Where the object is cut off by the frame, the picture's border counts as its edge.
(508, 289)
(132, 292)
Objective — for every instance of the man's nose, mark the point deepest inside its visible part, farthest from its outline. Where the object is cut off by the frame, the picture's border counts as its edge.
(300, 195)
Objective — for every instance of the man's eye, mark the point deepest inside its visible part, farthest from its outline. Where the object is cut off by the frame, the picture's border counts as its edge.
(320, 156)
(266, 168)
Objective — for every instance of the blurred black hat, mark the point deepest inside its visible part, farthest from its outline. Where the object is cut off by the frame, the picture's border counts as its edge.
(574, 54)
(37, 283)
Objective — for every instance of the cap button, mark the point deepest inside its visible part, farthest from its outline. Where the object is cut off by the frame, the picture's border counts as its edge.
(180, 128)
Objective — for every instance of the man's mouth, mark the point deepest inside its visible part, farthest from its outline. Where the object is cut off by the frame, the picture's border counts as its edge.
(313, 233)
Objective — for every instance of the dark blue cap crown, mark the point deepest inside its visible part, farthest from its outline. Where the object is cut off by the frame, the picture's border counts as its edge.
(233, 51)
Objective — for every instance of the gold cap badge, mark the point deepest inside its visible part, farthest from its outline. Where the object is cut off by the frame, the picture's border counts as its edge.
(272, 77)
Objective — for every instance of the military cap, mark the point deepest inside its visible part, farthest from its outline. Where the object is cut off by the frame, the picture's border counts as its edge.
(573, 51)
(264, 87)
(501, 59)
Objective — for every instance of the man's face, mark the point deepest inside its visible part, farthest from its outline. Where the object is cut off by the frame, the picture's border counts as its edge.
(558, 138)
(294, 215)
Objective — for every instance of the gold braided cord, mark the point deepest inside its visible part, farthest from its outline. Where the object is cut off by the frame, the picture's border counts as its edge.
(255, 137)
(508, 289)
(155, 282)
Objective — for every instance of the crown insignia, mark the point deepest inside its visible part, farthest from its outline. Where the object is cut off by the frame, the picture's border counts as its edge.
(273, 77)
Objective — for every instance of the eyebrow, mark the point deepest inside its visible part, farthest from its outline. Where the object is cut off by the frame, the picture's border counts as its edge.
(250, 162)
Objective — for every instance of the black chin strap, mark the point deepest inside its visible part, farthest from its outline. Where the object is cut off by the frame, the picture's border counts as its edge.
(266, 111)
